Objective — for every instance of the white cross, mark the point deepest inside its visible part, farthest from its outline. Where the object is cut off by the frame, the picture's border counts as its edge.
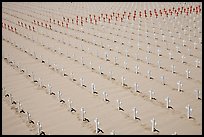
(28, 114)
(126, 52)
(183, 57)
(151, 93)
(70, 104)
(97, 125)
(82, 113)
(106, 56)
(158, 52)
(82, 60)
(100, 70)
(125, 64)
(189, 111)
(167, 102)
(123, 80)
(170, 55)
(59, 95)
(136, 87)
(92, 87)
(134, 113)
(105, 96)
(115, 60)
(173, 68)
(153, 124)
(197, 63)
(187, 73)
(119, 103)
(158, 62)
(82, 81)
(136, 69)
(149, 74)
(179, 85)
(162, 80)
(147, 59)
(197, 92)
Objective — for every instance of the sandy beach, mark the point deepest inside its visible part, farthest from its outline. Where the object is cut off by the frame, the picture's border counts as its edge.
(102, 68)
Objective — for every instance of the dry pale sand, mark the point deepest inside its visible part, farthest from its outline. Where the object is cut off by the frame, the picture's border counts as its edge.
(102, 54)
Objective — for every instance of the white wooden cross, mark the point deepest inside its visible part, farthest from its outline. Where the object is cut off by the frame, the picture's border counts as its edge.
(187, 73)
(151, 93)
(179, 85)
(119, 104)
(93, 87)
(147, 59)
(170, 55)
(97, 125)
(189, 111)
(100, 70)
(136, 69)
(105, 96)
(159, 65)
(182, 58)
(134, 113)
(167, 102)
(82, 61)
(136, 86)
(173, 68)
(70, 104)
(59, 95)
(81, 81)
(197, 92)
(149, 74)
(115, 60)
(158, 52)
(197, 63)
(153, 124)
(125, 64)
(162, 80)
(82, 114)
(123, 80)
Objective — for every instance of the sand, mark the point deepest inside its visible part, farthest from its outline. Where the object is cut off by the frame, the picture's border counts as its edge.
(33, 59)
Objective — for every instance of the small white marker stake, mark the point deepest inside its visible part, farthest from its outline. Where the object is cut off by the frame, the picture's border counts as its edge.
(82, 114)
(59, 95)
(91, 65)
(153, 124)
(147, 59)
(189, 111)
(111, 75)
(158, 52)
(172, 68)
(134, 113)
(97, 125)
(105, 96)
(126, 52)
(122, 80)
(115, 60)
(49, 89)
(136, 69)
(82, 81)
(112, 132)
(151, 93)
(197, 92)
(106, 56)
(28, 116)
(159, 63)
(148, 74)
(93, 88)
(170, 55)
(119, 104)
(125, 64)
(100, 70)
(82, 61)
(162, 80)
(197, 63)
(19, 106)
(70, 104)
(167, 102)
(179, 85)
(187, 73)
(11, 98)
(136, 86)
(182, 58)
(39, 127)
